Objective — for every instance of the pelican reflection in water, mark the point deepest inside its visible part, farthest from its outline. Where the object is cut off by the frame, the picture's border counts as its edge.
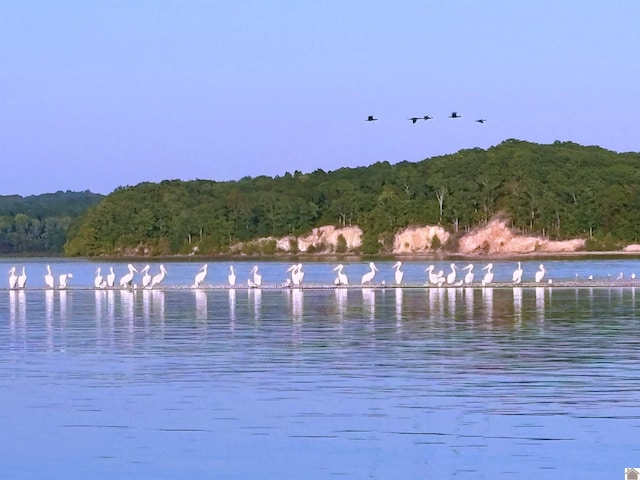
(487, 300)
(399, 294)
(297, 299)
(369, 301)
(201, 305)
(232, 307)
(540, 302)
(517, 305)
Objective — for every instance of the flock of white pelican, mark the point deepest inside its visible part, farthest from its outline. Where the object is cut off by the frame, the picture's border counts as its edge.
(295, 277)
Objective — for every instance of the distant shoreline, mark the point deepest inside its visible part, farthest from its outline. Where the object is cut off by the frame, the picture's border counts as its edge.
(319, 257)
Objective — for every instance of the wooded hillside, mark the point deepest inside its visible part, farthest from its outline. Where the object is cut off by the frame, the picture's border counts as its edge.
(38, 224)
(562, 190)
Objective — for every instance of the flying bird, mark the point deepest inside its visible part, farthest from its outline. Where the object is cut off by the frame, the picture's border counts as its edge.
(371, 118)
(414, 119)
(455, 115)
(427, 117)
(481, 120)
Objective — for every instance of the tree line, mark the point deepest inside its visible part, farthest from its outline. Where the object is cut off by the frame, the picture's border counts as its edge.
(38, 224)
(560, 190)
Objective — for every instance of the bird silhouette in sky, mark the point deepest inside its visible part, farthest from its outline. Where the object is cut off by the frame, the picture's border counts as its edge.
(481, 120)
(371, 118)
(427, 117)
(455, 115)
(414, 119)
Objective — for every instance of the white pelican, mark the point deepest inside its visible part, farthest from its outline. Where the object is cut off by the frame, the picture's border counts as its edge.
(299, 275)
(200, 276)
(22, 278)
(451, 278)
(433, 277)
(440, 278)
(158, 277)
(292, 280)
(62, 279)
(540, 274)
(341, 279)
(126, 279)
(488, 277)
(517, 274)
(468, 278)
(368, 277)
(296, 274)
(255, 280)
(98, 282)
(146, 277)
(111, 277)
(48, 278)
(13, 278)
(399, 273)
(232, 276)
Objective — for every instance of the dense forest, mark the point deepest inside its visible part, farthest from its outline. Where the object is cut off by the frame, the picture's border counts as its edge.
(562, 190)
(38, 224)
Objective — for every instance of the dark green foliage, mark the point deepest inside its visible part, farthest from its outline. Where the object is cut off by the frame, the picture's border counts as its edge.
(38, 224)
(562, 190)
(341, 244)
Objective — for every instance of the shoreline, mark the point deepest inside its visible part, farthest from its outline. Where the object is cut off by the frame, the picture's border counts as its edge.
(326, 257)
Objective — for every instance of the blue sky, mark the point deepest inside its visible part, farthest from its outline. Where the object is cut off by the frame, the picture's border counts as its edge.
(101, 94)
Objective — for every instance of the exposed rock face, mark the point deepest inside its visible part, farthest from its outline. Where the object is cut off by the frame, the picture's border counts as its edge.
(493, 239)
(326, 237)
(496, 238)
(418, 239)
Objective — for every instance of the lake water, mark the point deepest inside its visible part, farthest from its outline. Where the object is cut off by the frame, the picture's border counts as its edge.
(527, 382)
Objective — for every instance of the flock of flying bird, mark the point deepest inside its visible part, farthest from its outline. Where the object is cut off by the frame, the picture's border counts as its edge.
(371, 118)
(294, 279)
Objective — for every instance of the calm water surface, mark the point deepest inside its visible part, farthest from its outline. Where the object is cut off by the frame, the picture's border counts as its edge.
(325, 383)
